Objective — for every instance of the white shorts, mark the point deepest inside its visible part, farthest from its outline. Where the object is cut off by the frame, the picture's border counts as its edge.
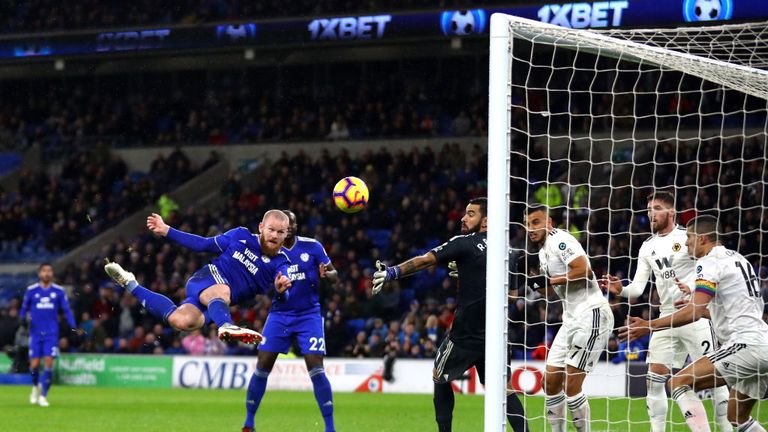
(743, 367)
(671, 347)
(579, 343)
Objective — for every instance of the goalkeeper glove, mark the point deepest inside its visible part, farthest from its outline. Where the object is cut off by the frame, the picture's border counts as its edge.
(382, 275)
(454, 269)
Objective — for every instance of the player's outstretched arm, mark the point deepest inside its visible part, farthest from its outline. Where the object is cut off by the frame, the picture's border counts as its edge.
(694, 310)
(157, 225)
(637, 286)
(385, 274)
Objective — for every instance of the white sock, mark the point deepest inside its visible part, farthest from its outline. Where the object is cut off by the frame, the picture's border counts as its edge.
(692, 409)
(750, 426)
(720, 403)
(579, 408)
(657, 401)
(555, 406)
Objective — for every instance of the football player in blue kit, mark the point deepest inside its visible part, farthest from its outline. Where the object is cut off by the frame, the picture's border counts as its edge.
(43, 301)
(297, 317)
(248, 264)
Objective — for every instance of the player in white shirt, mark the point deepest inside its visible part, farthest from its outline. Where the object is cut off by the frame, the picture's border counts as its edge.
(587, 319)
(663, 255)
(728, 291)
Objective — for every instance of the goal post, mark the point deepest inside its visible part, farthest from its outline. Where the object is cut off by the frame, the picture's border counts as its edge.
(591, 123)
(499, 96)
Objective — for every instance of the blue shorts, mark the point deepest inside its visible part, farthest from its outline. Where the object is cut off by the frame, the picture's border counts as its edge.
(280, 329)
(201, 280)
(43, 346)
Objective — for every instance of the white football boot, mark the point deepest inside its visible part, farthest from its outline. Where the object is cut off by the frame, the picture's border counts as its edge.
(229, 332)
(119, 274)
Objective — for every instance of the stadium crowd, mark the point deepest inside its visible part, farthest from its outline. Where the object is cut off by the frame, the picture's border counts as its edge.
(417, 201)
(46, 15)
(53, 213)
(358, 101)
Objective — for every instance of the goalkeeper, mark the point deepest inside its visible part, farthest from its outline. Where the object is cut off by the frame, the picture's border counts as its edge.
(464, 346)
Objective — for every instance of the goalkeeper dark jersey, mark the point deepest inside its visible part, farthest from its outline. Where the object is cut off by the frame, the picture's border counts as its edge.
(469, 252)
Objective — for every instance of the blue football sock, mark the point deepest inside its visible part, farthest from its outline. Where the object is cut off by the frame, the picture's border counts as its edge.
(256, 388)
(35, 376)
(323, 395)
(218, 309)
(47, 375)
(156, 304)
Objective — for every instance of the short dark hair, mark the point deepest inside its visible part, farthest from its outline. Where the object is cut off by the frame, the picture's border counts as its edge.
(534, 207)
(483, 203)
(44, 264)
(705, 225)
(664, 196)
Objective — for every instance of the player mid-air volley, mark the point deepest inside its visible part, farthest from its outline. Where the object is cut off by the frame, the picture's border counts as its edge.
(248, 265)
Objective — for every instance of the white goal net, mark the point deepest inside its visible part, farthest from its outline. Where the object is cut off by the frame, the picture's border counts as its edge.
(591, 124)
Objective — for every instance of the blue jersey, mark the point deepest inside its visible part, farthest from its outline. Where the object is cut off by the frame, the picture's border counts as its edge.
(306, 255)
(242, 264)
(43, 306)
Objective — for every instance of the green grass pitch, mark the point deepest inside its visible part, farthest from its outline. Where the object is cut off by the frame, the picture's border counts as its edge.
(84, 409)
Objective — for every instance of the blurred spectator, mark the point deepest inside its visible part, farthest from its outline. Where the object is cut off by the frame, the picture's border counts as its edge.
(194, 343)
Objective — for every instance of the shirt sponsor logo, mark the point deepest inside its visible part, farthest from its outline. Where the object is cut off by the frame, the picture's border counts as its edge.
(246, 258)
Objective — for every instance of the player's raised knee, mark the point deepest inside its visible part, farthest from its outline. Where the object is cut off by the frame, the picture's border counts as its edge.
(184, 322)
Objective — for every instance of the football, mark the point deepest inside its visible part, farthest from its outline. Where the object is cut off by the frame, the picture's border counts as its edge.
(350, 194)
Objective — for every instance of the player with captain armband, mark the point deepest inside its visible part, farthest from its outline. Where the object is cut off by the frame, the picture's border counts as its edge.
(728, 292)
(665, 256)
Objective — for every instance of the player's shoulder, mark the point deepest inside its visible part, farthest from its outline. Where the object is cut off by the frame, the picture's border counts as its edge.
(307, 241)
(460, 238)
(57, 287)
(719, 253)
(558, 236)
(709, 260)
(679, 232)
(33, 286)
(282, 255)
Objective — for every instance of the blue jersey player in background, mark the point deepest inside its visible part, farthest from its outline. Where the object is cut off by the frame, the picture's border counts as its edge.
(44, 301)
(297, 317)
(248, 264)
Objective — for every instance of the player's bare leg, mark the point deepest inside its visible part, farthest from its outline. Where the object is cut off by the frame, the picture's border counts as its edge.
(555, 399)
(577, 401)
(217, 298)
(186, 318)
(656, 399)
(699, 375)
(739, 410)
